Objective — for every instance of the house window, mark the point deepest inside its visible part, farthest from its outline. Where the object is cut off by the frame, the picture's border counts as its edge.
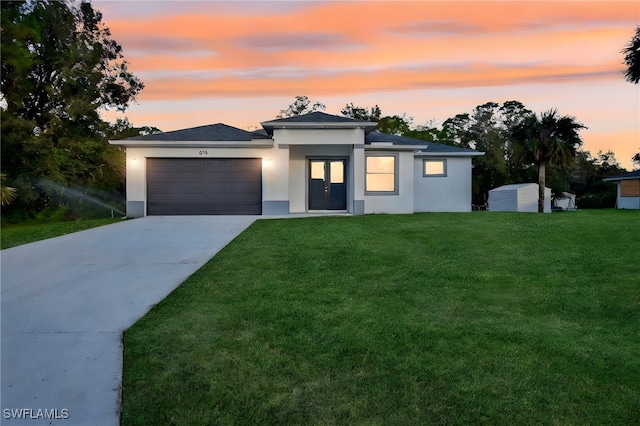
(381, 174)
(434, 168)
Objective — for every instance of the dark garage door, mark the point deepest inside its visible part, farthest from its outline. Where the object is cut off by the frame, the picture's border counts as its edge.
(182, 186)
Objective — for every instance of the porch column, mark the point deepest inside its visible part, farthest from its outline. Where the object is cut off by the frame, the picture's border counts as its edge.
(358, 179)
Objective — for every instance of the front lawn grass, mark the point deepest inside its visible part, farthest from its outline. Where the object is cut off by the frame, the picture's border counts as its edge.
(15, 235)
(478, 318)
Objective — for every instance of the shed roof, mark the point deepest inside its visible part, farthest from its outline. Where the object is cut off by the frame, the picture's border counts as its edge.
(514, 186)
(625, 176)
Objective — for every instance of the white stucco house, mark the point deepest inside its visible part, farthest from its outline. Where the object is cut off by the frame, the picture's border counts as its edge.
(315, 162)
(518, 197)
(628, 189)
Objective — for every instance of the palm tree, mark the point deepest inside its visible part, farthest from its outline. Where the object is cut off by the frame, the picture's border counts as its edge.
(548, 139)
(7, 193)
(632, 58)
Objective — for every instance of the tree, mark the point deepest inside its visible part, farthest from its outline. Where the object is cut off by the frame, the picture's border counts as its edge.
(301, 105)
(455, 131)
(59, 69)
(361, 113)
(395, 124)
(124, 129)
(546, 139)
(636, 160)
(7, 193)
(632, 58)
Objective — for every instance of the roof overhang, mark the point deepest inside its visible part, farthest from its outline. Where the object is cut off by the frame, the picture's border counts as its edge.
(269, 126)
(428, 153)
(616, 179)
(386, 147)
(256, 143)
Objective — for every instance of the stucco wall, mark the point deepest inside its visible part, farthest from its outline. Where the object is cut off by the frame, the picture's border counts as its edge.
(392, 203)
(318, 136)
(451, 193)
(275, 170)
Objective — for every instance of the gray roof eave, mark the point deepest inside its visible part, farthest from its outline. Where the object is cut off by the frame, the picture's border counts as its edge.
(373, 147)
(625, 176)
(428, 153)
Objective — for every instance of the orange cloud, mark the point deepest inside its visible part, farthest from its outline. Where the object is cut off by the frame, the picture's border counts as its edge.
(316, 83)
(372, 45)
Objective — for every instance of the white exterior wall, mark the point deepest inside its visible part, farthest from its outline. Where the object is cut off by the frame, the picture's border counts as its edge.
(318, 136)
(451, 193)
(275, 168)
(392, 203)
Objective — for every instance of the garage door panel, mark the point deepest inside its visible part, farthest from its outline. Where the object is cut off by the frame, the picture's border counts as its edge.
(204, 186)
(245, 188)
(244, 178)
(220, 188)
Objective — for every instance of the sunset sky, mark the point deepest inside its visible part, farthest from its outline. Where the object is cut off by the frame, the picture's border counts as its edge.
(240, 63)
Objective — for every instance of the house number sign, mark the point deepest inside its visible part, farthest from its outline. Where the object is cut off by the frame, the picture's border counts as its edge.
(204, 152)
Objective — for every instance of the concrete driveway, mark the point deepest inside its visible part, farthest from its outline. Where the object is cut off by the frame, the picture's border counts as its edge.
(67, 300)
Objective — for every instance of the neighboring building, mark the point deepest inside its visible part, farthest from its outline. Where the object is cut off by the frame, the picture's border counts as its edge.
(628, 186)
(520, 197)
(565, 201)
(310, 163)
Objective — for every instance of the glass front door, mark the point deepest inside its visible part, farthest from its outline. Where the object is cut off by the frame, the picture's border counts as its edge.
(327, 185)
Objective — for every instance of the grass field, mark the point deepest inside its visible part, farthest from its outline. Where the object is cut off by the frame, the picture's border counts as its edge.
(478, 318)
(15, 235)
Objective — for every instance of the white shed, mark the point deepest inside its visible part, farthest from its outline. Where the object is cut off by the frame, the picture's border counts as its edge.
(520, 197)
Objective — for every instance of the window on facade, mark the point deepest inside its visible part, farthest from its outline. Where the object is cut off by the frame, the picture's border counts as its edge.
(434, 168)
(381, 173)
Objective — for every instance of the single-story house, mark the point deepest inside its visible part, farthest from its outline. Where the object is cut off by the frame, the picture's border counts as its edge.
(519, 197)
(565, 201)
(315, 162)
(628, 186)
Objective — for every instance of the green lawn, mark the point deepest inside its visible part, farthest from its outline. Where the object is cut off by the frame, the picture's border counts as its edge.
(476, 318)
(15, 235)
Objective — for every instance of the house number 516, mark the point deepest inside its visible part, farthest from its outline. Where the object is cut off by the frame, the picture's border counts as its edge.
(204, 152)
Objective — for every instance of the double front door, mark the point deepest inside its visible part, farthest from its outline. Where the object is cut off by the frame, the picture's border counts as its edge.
(327, 184)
